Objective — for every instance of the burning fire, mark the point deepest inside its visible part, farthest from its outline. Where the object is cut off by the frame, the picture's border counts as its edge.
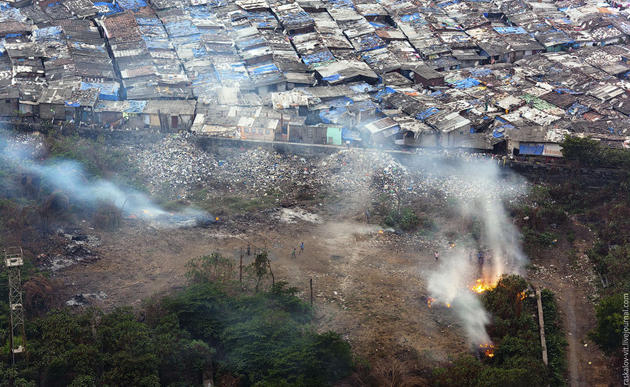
(431, 300)
(522, 295)
(481, 286)
(487, 349)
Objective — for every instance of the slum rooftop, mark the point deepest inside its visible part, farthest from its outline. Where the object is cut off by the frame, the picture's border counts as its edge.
(453, 73)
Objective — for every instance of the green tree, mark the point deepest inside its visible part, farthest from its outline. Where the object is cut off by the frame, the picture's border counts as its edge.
(609, 330)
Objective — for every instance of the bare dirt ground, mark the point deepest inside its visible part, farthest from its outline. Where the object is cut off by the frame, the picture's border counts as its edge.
(365, 286)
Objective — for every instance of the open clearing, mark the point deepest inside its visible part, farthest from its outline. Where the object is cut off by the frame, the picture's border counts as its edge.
(365, 286)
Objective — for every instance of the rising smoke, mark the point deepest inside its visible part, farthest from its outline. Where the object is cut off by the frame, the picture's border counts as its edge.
(478, 189)
(70, 177)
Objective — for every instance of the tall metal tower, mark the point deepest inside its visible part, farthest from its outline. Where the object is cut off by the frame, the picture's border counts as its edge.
(14, 259)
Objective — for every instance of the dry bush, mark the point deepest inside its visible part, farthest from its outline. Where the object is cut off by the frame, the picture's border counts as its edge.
(107, 216)
(392, 372)
(40, 294)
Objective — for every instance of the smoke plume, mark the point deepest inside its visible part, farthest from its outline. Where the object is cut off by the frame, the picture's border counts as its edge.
(478, 189)
(70, 177)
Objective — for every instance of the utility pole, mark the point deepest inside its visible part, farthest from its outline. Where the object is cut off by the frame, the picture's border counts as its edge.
(240, 268)
(311, 283)
(14, 259)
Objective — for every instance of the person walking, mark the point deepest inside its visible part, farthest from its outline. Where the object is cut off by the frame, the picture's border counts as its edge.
(436, 255)
(301, 247)
(293, 253)
(249, 249)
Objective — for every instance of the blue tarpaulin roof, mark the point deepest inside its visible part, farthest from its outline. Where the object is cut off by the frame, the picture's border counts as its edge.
(464, 83)
(318, 57)
(531, 149)
(108, 90)
(131, 4)
(510, 30)
(427, 113)
(350, 135)
(263, 69)
(148, 21)
(446, 3)
(106, 9)
(382, 93)
(577, 109)
(47, 33)
(480, 72)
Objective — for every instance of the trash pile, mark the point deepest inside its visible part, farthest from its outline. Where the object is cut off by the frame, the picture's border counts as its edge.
(185, 169)
(84, 299)
(173, 163)
(77, 248)
(356, 171)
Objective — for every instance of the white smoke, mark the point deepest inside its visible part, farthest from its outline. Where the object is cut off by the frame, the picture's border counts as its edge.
(479, 188)
(70, 177)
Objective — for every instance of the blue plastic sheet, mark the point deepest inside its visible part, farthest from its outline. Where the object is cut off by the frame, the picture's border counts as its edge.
(131, 4)
(427, 113)
(465, 83)
(531, 149)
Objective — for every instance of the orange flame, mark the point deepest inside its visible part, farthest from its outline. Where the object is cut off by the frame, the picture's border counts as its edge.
(522, 295)
(481, 286)
(488, 349)
(430, 301)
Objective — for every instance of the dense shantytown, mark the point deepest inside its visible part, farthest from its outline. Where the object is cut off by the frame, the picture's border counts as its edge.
(511, 77)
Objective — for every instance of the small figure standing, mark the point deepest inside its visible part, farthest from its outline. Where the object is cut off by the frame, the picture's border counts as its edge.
(301, 247)
(367, 216)
(436, 255)
(480, 257)
(249, 249)
(293, 253)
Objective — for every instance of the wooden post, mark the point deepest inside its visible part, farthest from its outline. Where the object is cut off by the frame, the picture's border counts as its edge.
(311, 283)
(541, 323)
(240, 269)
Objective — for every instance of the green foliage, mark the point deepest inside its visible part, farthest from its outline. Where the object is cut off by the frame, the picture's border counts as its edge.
(406, 219)
(517, 355)
(209, 328)
(532, 237)
(590, 153)
(555, 337)
(261, 266)
(609, 331)
(97, 159)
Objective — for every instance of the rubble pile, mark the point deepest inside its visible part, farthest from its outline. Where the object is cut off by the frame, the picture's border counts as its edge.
(185, 169)
(182, 167)
(259, 171)
(354, 171)
(173, 163)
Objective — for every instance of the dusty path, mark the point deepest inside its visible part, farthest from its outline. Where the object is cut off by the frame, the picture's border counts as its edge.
(572, 282)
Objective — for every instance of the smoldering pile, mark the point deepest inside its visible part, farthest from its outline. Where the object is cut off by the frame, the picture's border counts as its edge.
(75, 247)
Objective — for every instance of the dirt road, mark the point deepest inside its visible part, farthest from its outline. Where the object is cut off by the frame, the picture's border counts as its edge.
(571, 279)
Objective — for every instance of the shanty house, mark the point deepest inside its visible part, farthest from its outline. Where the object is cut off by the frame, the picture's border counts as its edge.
(169, 115)
(425, 75)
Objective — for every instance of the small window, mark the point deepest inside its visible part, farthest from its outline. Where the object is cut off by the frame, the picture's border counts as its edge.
(246, 130)
(267, 132)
